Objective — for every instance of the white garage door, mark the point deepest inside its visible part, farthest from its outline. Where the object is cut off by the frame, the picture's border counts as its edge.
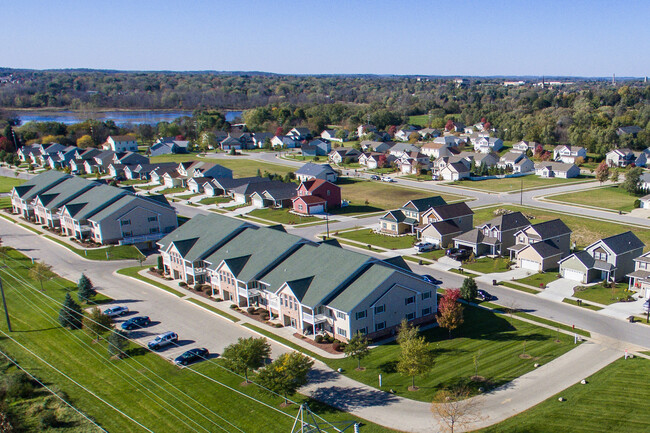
(430, 239)
(258, 202)
(572, 275)
(316, 209)
(529, 264)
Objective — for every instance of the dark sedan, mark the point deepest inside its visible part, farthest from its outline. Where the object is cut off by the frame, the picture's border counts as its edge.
(136, 322)
(192, 355)
(431, 279)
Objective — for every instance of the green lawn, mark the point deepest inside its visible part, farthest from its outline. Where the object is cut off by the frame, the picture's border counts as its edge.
(215, 200)
(133, 272)
(585, 230)
(147, 187)
(367, 236)
(173, 190)
(133, 182)
(611, 197)
(383, 196)
(540, 279)
(7, 183)
(281, 216)
(600, 294)
(515, 183)
(119, 252)
(518, 287)
(500, 339)
(144, 386)
(5, 202)
(581, 304)
(432, 255)
(613, 400)
(186, 196)
(248, 167)
(486, 265)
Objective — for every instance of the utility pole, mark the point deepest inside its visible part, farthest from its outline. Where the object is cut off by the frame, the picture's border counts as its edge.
(327, 224)
(4, 304)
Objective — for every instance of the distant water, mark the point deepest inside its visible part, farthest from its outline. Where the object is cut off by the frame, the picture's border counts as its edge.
(151, 117)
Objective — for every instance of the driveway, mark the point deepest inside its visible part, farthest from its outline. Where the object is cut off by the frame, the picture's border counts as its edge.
(559, 289)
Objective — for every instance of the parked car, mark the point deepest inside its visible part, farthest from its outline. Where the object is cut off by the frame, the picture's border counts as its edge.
(430, 279)
(163, 340)
(191, 356)
(459, 254)
(387, 179)
(118, 310)
(136, 322)
(483, 295)
(422, 247)
(374, 177)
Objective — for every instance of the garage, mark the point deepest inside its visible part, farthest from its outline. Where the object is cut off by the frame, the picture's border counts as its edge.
(318, 208)
(258, 202)
(431, 239)
(529, 264)
(573, 275)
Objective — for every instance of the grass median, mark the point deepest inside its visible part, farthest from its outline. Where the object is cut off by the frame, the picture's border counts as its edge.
(119, 252)
(133, 272)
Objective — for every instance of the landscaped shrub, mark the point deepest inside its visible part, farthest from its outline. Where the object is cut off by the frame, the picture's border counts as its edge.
(182, 284)
(264, 316)
(637, 203)
(234, 307)
(152, 269)
(336, 345)
(318, 339)
(250, 310)
(198, 287)
(219, 300)
(278, 325)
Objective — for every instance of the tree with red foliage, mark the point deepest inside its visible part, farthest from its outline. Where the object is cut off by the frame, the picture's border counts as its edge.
(539, 149)
(279, 131)
(392, 129)
(6, 144)
(381, 161)
(450, 311)
(180, 137)
(483, 120)
(487, 126)
(449, 125)
(602, 172)
(546, 155)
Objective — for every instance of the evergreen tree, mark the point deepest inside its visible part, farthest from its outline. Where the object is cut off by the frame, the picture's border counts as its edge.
(117, 342)
(85, 289)
(469, 289)
(161, 266)
(70, 315)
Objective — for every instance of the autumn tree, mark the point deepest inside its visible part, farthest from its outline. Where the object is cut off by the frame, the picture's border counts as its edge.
(97, 323)
(85, 141)
(454, 408)
(415, 357)
(602, 172)
(450, 310)
(357, 348)
(286, 374)
(449, 126)
(246, 355)
(41, 273)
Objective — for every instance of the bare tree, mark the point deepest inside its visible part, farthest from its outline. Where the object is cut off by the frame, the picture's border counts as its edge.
(455, 409)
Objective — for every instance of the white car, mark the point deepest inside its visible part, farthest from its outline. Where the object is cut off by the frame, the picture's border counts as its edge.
(387, 179)
(421, 247)
(163, 340)
(119, 310)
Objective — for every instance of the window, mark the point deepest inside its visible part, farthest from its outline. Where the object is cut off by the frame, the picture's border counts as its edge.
(342, 332)
(409, 300)
(410, 316)
(125, 222)
(340, 315)
(363, 331)
(426, 311)
(380, 326)
(299, 207)
(328, 192)
(426, 295)
(152, 219)
(153, 230)
(380, 309)
(361, 315)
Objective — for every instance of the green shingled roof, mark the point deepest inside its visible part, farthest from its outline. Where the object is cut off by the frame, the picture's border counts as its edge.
(41, 183)
(253, 250)
(361, 287)
(92, 201)
(65, 191)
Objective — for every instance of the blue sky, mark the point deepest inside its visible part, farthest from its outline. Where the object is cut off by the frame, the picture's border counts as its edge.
(524, 37)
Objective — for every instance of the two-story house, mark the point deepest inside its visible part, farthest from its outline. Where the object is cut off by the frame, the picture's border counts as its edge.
(167, 146)
(516, 162)
(408, 217)
(540, 246)
(488, 144)
(440, 224)
(493, 237)
(569, 154)
(640, 278)
(620, 157)
(316, 196)
(609, 259)
(316, 171)
(121, 143)
(316, 147)
(343, 154)
(300, 133)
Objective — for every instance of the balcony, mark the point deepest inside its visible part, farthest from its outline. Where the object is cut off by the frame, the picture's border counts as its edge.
(314, 320)
(128, 240)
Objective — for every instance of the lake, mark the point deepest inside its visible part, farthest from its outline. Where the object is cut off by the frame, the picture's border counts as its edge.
(150, 117)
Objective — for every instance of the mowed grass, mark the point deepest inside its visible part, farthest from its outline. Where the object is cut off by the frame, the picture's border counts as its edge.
(585, 230)
(611, 197)
(613, 400)
(499, 339)
(383, 196)
(119, 252)
(602, 295)
(282, 216)
(248, 167)
(146, 387)
(7, 183)
(540, 279)
(488, 265)
(367, 236)
(515, 183)
(215, 200)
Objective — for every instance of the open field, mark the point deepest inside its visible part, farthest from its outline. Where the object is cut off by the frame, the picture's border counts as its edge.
(486, 265)
(113, 252)
(367, 236)
(613, 400)
(511, 184)
(144, 386)
(585, 230)
(7, 183)
(611, 197)
(382, 196)
(281, 216)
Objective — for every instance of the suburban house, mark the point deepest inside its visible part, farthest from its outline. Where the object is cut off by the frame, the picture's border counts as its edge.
(609, 259)
(440, 224)
(274, 195)
(259, 138)
(398, 149)
(645, 202)
(62, 158)
(158, 174)
(143, 171)
(243, 192)
(316, 171)
(405, 134)
(230, 143)
(316, 147)
(316, 196)
(524, 146)
(413, 163)
(24, 152)
(168, 145)
(493, 237)
(76, 164)
(341, 154)
(556, 169)
(100, 162)
(454, 171)
(516, 162)
(448, 140)
(86, 209)
(300, 134)
(443, 161)
(640, 278)
(121, 143)
(436, 150)
(192, 169)
(41, 157)
(284, 142)
(488, 144)
(428, 133)
(225, 185)
(540, 246)
(373, 160)
(376, 146)
(569, 154)
(366, 129)
(620, 158)
(487, 159)
(330, 134)
(314, 288)
(406, 219)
